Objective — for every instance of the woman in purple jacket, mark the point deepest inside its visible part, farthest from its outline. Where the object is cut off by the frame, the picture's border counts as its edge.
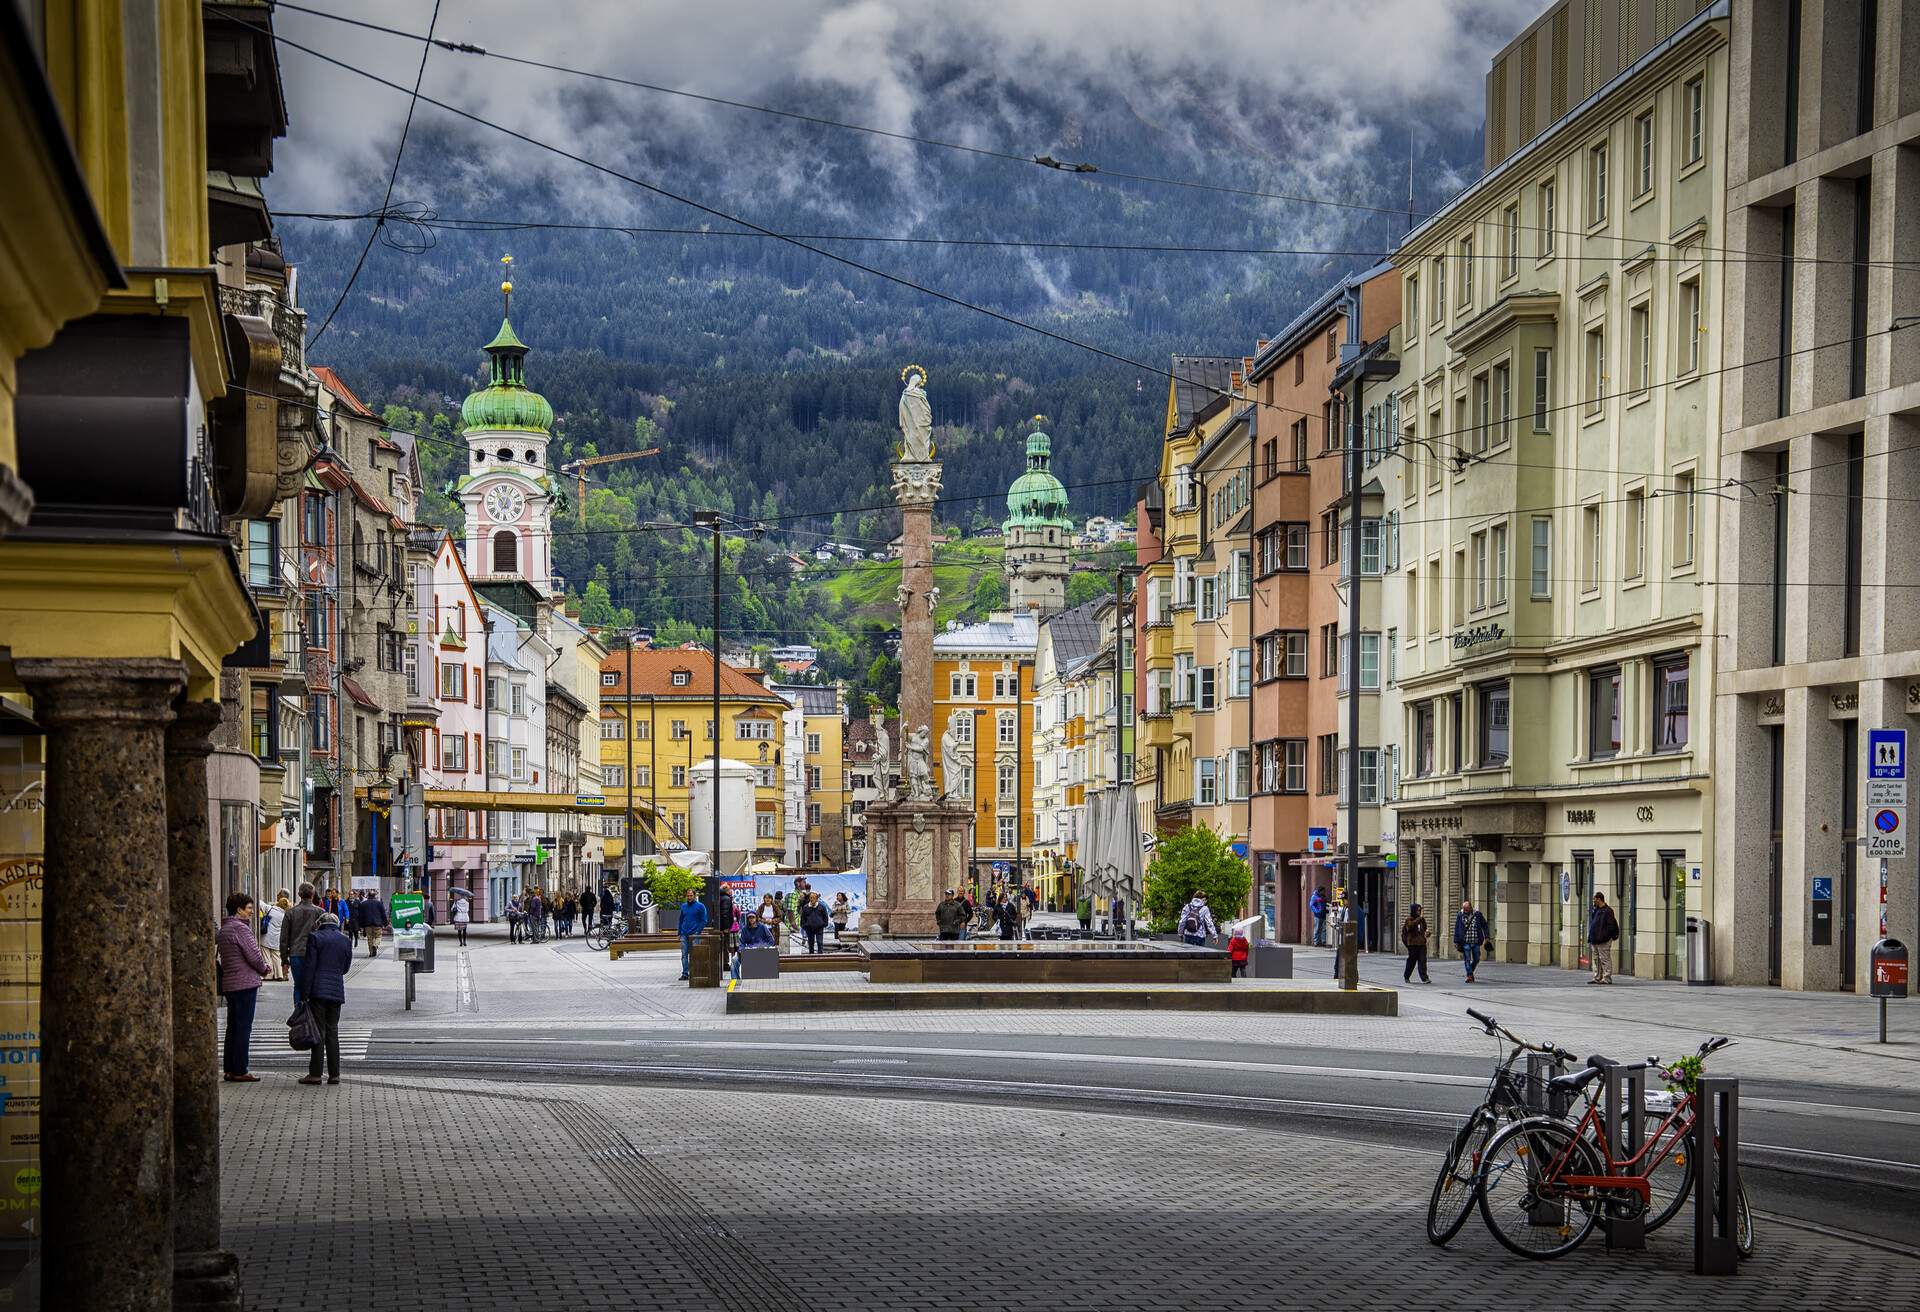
(242, 967)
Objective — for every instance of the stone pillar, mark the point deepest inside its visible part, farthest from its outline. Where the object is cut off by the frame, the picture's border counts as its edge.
(107, 1016)
(204, 1275)
(916, 485)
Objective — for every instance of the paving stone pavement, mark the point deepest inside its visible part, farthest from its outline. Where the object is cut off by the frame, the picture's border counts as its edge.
(406, 1194)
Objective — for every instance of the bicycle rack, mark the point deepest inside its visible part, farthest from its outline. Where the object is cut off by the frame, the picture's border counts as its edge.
(1624, 1089)
(1716, 1177)
(1544, 1101)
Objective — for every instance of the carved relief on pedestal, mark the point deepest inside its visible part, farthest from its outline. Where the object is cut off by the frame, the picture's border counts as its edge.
(878, 872)
(916, 484)
(956, 855)
(919, 863)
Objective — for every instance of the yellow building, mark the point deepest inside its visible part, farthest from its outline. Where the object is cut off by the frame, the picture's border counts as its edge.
(131, 136)
(651, 740)
(983, 675)
(824, 844)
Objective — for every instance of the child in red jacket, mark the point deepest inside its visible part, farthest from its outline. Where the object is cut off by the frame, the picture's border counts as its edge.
(1237, 949)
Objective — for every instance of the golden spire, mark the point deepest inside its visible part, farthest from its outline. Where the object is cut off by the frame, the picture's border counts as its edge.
(506, 285)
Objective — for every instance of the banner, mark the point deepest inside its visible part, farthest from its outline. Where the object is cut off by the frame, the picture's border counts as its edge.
(853, 883)
(22, 868)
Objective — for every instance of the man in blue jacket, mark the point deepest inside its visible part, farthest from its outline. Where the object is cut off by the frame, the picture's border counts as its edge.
(693, 923)
(1469, 936)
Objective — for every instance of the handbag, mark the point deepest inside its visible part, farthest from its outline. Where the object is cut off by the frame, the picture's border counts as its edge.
(303, 1031)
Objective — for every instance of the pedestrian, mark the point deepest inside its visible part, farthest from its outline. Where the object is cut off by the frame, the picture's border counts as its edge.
(293, 939)
(332, 957)
(241, 970)
(607, 903)
(348, 909)
(693, 921)
(1196, 922)
(1008, 916)
(1083, 911)
(967, 905)
(1028, 902)
(1603, 928)
(842, 912)
(949, 916)
(586, 909)
(563, 915)
(373, 921)
(1239, 948)
(462, 913)
(1469, 934)
(271, 924)
(1413, 933)
(813, 923)
(1318, 905)
(753, 934)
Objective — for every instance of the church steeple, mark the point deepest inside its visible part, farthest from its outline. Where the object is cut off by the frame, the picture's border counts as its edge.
(1037, 533)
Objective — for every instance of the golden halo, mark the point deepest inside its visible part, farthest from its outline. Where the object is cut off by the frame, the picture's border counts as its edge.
(914, 369)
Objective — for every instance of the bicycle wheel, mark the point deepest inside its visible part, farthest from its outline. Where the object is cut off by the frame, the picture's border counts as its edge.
(1671, 1180)
(1743, 1223)
(1457, 1185)
(597, 938)
(1529, 1216)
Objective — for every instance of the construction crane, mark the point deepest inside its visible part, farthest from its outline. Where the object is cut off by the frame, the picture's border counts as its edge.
(578, 468)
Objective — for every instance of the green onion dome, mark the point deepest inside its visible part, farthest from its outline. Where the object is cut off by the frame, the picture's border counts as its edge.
(1036, 499)
(506, 402)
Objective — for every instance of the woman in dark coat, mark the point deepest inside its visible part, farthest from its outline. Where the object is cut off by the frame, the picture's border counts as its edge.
(329, 957)
(1008, 914)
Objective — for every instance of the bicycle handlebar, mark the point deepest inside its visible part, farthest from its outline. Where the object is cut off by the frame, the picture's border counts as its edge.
(1483, 1018)
(1714, 1044)
(1493, 1026)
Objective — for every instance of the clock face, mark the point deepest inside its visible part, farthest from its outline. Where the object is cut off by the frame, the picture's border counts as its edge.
(504, 504)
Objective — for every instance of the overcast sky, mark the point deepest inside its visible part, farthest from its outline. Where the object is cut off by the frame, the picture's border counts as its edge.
(1384, 60)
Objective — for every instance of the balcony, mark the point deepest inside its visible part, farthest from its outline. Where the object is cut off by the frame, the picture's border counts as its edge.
(288, 324)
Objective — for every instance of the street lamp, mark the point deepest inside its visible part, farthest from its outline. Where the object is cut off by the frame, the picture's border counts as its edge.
(717, 523)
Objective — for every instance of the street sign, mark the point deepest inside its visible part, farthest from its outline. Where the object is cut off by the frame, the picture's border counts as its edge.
(409, 909)
(1566, 887)
(1318, 841)
(1823, 888)
(1887, 831)
(1886, 753)
(588, 799)
(644, 898)
(1886, 792)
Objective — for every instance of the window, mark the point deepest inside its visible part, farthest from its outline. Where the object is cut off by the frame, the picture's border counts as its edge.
(1433, 598)
(517, 758)
(1159, 692)
(1691, 326)
(1185, 488)
(962, 728)
(613, 776)
(1542, 388)
(708, 734)
(1459, 587)
(1547, 217)
(1182, 581)
(609, 681)
(813, 744)
(678, 729)
(1603, 714)
(1670, 690)
(1369, 662)
(1329, 764)
(1369, 776)
(1393, 656)
(1269, 767)
(1294, 765)
(745, 730)
(1209, 605)
(678, 776)
(1413, 303)
(1333, 344)
(1482, 411)
(1296, 547)
(1497, 538)
(1597, 184)
(1636, 544)
(1643, 153)
(1494, 735)
(263, 553)
(519, 700)
(1004, 831)
(612, 730)
(453, 681)
(1423, 717)
(1541, 569)
(506, 552)
(1592, 541)
(1240, 576)
(963, 687)
(1596, 369)
(1329, 650)
(1466, 271)
(1299, 367)
(1209, 676)
(1005, 735)
(1294, 654)
(1480, 571)
(1183, 678)
(1390, 543)
(1439, 290)
(1640, 343)
(1239, 774)
(1510, 241)
(1006, 686)
(1502, 404)
(1684, 522)
(763, 824)
(1206, 781)
(1240, 663)
(1695, 98)
(1369, 546)
(1268, 544)
(1329, 537)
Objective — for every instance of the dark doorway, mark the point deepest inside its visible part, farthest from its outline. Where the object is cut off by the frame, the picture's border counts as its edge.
(1849, 850)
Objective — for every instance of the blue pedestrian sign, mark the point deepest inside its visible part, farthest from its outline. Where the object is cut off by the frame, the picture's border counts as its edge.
(1823, 888)
(1886, 753)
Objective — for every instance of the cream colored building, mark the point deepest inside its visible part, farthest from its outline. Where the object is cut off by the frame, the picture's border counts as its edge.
(1222, 588)
(1560, 412)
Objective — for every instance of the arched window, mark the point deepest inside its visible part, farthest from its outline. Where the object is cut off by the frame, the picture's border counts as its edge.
(479, 457)
(506, 552)
(532, 457)
(506, 455)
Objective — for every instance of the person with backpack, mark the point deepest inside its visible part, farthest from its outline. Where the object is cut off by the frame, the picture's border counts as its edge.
(1603, 930)
(813, 923)
(1469, 935)
(1413, 933)
(1318, 905)
(1196, 922)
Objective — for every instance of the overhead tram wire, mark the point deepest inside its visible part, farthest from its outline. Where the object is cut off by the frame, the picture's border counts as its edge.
(1085, 169)
(393, 175)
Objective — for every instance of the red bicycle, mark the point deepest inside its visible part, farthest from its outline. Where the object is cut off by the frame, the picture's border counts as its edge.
(1545, 1182)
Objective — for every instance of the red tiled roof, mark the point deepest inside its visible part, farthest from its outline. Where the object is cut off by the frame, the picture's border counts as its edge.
(653, 677)
(335, 384)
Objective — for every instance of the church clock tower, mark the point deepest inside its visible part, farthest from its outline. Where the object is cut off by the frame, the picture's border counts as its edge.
(507, 492)
(1037, 534)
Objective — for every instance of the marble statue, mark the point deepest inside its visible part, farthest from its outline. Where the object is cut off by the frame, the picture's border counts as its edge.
(916, 417)
(882, 756)
(902, 595)
(953, 760)
(919, 770)
(933, 600)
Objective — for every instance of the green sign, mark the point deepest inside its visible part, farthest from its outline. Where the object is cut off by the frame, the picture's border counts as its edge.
(409, 909)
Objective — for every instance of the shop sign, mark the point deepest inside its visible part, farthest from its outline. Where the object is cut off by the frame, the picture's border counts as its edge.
(1581, 815)
(1477, 637)
(1430, 823)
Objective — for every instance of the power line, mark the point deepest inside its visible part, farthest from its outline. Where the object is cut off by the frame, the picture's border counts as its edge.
(392, 175)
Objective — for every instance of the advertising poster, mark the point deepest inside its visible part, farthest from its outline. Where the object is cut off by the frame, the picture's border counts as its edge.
(22, 870)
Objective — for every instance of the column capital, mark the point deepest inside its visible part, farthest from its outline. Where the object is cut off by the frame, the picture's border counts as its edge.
(191, 733)
(91, 690)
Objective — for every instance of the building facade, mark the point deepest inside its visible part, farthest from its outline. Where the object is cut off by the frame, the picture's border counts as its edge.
(1038, 535)
(983, 679)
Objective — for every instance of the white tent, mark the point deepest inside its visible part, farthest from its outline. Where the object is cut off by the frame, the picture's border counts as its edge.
(1112, 849)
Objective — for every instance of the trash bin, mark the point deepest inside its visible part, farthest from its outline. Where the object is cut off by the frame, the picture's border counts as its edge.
(1888, 962)
(1699, 951)
(1271, 961)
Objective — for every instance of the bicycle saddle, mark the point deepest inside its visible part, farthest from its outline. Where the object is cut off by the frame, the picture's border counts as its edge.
(1572, 1084)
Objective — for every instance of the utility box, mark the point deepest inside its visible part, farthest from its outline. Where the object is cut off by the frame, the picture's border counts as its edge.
(1699, 950)
(759, 963)
(1888, 967)
(1271, 961)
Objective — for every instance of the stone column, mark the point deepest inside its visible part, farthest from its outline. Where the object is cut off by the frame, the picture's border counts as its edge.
(204, 1274)
(107, 1016)
(916, 485)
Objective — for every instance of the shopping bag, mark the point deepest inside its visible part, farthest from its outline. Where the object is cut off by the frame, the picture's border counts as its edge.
(303, 1031)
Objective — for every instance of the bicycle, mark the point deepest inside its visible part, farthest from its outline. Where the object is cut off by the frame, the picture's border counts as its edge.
(1547, 1182)
(604, 933)
(1507, 1099)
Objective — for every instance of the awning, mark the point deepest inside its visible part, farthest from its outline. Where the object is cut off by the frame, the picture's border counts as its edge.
(358, 694)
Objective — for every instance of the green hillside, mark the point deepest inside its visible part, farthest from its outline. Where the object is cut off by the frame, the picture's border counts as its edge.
(867, 587)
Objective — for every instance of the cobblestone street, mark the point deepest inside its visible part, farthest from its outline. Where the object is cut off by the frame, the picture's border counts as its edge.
(404, 1194)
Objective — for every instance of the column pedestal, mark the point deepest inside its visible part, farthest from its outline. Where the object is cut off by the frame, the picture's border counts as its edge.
(916, 851)
(204, 1275)
(107, 1014)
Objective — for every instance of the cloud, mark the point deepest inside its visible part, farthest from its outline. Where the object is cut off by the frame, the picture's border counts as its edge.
(1310, 82)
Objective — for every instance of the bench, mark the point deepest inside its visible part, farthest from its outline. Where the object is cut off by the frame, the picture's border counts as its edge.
(796, 962)
(659, 942)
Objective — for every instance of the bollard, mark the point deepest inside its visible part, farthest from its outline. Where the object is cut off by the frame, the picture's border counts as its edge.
(1716, 1176)
(1625, 1091)
(1540, 1069)
(1346, 955)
